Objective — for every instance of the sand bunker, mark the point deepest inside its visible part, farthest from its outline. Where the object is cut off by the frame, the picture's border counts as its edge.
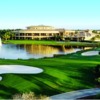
(90, 53)
(0, 78)
(19, 69)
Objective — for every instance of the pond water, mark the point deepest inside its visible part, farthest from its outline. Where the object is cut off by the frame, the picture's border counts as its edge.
(11, 51)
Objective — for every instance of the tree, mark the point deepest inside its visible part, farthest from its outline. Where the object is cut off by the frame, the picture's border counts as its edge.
(3, 32)
(6, 36)
(95, 37)
(58, 37)
(94, 31)
(12, 35)
(76, 32)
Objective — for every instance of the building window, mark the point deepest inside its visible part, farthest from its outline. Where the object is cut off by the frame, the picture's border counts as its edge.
(21, 34)
(36, 34)
(43, 34)
(29, 34)
(50, 34)
(17, 34)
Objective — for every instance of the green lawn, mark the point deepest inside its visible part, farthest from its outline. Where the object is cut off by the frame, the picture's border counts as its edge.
(61, 74)
(51, 43)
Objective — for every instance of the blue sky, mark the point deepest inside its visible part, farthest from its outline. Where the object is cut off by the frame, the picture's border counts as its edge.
(69, 14)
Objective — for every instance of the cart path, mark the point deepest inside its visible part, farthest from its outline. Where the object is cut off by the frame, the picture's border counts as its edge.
(76, 94)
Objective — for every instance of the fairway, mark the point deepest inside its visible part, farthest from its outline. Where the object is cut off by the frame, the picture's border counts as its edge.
(61, 74)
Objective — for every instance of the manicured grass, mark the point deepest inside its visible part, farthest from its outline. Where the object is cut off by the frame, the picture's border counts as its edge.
(61, 74)
(52, 43)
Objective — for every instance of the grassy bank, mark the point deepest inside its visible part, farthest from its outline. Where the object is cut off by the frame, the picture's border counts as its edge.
(61, 74)
(51, 43)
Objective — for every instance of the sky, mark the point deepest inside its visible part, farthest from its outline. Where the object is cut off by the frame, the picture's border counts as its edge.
(68, 14)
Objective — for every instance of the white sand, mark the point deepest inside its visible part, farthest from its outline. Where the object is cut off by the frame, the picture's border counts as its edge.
(0, 42)
(90, 53)
(19, 69)
(0, 78)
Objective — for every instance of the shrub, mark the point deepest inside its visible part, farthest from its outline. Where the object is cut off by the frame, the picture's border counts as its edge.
(29, 96)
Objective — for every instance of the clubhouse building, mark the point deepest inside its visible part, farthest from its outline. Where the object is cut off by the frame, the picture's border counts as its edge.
(42, 32)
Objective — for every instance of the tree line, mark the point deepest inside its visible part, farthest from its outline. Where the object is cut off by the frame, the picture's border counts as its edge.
(7, 34)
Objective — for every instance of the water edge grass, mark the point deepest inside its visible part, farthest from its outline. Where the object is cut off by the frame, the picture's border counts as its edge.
(59, 43)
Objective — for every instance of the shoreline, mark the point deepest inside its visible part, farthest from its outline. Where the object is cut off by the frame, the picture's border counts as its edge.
(57, 43)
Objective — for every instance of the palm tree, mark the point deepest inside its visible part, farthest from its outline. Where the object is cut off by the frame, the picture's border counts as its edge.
(6, 36)
(12, 35)
(95, 37)
(94, 31)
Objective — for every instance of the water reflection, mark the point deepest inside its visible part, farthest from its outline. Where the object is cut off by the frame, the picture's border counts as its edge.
(87, 48)
(11, 51)
(49, 50)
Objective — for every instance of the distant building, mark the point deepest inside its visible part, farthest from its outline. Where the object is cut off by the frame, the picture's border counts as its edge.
(86, 35)
(42, 32)
(37, 33)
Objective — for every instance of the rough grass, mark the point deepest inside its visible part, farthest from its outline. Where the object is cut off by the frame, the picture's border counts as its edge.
(61, 74)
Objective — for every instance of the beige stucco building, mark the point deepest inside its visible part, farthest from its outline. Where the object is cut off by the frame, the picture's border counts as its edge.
(42, 32)
(37, 32)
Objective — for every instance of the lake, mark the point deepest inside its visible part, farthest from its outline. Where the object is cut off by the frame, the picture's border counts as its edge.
(12, 51)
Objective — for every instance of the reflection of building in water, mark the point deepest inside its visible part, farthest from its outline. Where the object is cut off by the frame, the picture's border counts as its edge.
(48, 50)
(86, 48)
(41, 50)
(73, 49)
(67, 49)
